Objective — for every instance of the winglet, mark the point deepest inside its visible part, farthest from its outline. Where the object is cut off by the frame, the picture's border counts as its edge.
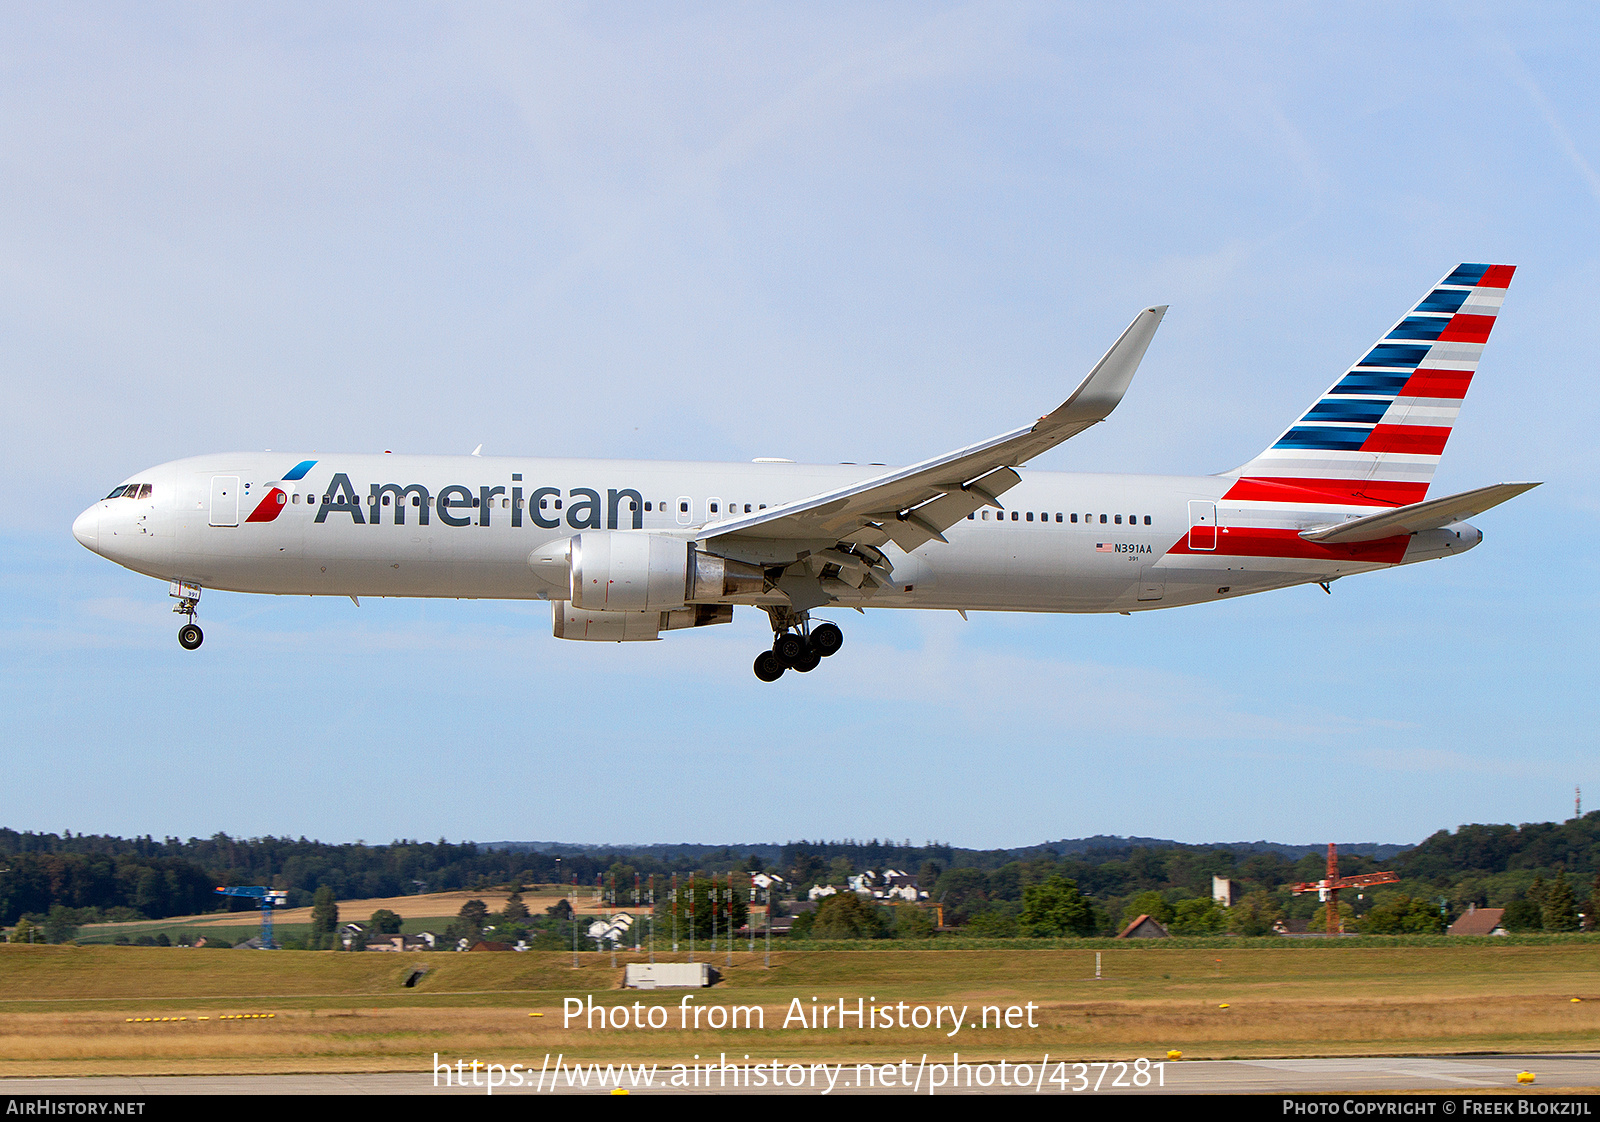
(1099, 393)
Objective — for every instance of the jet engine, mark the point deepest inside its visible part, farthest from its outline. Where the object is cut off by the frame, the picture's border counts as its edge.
(631, 627)
(634, 572)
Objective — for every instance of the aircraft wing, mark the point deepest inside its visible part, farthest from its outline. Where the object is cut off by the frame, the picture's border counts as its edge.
(914, 505)
(1431, 515)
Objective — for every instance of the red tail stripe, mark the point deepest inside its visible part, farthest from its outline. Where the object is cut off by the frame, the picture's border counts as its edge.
(1496, 276)
(1467, 329)
(1418, 440)
(1437, 383)
(1345, 492)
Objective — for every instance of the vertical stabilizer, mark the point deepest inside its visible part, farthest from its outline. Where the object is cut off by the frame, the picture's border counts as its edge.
(1376, 436)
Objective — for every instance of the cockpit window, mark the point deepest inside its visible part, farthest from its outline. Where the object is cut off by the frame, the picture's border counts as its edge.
(130, 491)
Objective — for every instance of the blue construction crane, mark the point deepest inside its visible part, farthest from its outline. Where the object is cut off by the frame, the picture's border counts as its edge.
(266, 899)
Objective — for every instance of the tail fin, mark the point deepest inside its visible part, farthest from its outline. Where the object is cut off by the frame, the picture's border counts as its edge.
(1376, 436)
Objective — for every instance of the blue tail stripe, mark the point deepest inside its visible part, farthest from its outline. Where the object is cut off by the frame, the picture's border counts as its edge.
(1371, 382)
(1348, 412)
(1467, 274)
(1443, 300)
(1327, 439)
(1418, 327)
(1395, 355)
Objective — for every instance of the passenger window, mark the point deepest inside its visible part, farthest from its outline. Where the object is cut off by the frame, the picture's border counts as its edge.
(558, 504)
(647, 507)
(763, 506)
(1030, 516)
(633, 505)
(747, 508)
(972, 517)
(385, 500)
(416, 500)
(713, 508)
(683, 508)
(1015, 516)
(1058, 516)
(1119, 520)
(1147, 520)
(986, 516)
(1074, 517)
(1102, 520)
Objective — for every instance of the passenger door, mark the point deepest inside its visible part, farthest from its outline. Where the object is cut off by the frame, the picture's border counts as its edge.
(225, 500)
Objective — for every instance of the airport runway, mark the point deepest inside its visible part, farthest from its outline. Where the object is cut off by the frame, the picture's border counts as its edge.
(1388, 1074)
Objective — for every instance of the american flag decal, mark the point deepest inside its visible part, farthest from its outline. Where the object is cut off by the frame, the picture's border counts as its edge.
(1103, 547)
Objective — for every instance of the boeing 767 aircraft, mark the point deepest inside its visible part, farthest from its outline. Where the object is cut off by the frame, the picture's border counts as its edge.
(627, 549)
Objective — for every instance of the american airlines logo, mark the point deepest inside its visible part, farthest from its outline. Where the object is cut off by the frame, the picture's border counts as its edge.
(459, 505)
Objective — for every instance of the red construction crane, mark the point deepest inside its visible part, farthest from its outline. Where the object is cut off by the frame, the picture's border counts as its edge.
(1327, 889)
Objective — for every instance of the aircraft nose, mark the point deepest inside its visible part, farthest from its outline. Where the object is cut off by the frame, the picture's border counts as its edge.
(86, 528)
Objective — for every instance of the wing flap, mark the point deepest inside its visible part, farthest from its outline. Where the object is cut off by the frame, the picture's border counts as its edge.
(1431, 515)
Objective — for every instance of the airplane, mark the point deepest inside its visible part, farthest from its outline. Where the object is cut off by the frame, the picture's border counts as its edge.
(626, 550)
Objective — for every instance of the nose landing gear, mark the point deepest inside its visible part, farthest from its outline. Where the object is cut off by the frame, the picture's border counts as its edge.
(188, 598)
(796, 645)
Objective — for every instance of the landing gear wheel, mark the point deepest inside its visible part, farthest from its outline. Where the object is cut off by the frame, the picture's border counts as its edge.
(808, 661)
(768, 668)
(190, 637)
(788, 647)
(827, 639)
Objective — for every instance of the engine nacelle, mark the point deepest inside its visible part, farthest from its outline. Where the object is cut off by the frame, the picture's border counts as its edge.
(569, 622)
(635, 572)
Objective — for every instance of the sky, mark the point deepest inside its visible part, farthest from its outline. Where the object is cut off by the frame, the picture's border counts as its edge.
(854, 232)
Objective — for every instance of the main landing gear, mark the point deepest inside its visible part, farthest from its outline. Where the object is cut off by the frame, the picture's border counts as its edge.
(188, 598)
(796, 645)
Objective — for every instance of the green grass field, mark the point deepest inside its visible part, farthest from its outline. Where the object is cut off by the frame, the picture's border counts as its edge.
(65, 1010)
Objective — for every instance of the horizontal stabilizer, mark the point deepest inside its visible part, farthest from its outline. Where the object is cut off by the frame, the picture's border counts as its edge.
(1431, 515)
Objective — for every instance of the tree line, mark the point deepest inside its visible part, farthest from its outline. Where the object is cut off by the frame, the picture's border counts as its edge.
(1543, 874)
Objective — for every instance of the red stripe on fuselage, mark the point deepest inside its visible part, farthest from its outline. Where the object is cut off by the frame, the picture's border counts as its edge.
(1344, 492)
(1467, 329)
(1256, 541)
(1417, 440)
(1437, 383)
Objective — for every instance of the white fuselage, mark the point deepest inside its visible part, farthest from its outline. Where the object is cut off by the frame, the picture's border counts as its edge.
(465, 527)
